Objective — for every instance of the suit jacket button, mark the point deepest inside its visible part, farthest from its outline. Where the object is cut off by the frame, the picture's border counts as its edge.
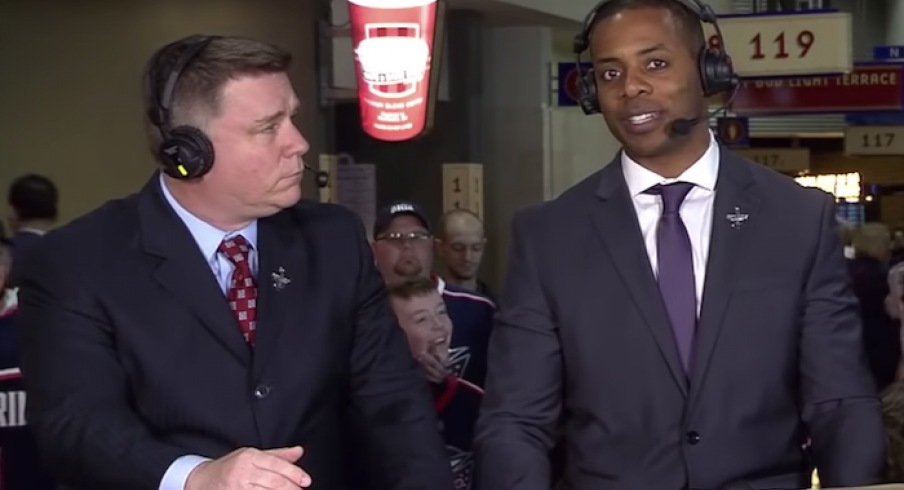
(692, 437)
(261, 392)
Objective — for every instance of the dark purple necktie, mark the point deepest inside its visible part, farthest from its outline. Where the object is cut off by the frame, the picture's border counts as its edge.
(675, 259)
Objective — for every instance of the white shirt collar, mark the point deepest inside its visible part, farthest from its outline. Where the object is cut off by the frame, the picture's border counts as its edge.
(206, 235)
(440, 283)
(703, 173)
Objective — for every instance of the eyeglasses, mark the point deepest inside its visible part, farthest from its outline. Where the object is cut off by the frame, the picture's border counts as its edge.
(403, 238)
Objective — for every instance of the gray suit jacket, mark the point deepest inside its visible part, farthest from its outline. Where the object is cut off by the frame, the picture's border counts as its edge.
(584, 345)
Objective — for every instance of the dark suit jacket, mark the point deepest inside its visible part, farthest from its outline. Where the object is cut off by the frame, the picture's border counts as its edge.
(134, 359)
(583, 333)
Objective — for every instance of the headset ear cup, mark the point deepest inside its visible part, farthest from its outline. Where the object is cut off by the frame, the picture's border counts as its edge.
(587, 98)
(716, 73)
(187, 153)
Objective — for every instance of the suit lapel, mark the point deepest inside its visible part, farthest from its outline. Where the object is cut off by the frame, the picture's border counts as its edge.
(735, 195)
(184, 272)
(282, 297)
(616, 221)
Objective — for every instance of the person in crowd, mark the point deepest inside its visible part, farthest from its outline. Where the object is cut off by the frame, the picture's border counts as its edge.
(403, 247)
(422, 314)
(682, 343)
(211, 331)
(402, 242)
(897, 247)
(21, 467)
(460, 246)
(33, 203)
(869, 278)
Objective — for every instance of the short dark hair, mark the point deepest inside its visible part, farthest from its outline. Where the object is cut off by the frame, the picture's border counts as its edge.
(34, 197)
(414, 288)
(689, 23)
(197, 94)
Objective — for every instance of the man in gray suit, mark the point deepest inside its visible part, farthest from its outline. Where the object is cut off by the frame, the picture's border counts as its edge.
(680, 319)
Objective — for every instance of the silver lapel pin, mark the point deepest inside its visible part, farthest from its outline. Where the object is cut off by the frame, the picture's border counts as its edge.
(280, 281)
(737, 218)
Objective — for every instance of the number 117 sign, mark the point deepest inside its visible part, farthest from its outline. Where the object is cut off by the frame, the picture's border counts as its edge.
(791, 44)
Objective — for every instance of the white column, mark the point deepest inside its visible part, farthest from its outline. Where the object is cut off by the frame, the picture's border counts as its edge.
(894, 32)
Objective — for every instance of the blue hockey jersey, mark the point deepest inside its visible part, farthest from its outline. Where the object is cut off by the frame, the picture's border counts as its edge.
(457, 401)
(20, 465)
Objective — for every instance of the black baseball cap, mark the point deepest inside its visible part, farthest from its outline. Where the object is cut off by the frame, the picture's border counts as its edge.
(399, 208)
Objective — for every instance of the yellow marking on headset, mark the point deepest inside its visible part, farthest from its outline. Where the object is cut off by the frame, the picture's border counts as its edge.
(182, 170)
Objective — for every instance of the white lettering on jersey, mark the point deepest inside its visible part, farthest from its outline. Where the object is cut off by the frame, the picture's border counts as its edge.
(12, 409)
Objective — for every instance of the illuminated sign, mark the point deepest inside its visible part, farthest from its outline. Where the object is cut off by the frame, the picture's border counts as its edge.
(842, 186)
(798, 43)
(866, 88)
(397, 46)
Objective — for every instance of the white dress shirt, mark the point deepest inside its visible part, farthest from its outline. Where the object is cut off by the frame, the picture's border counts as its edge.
(696, 210)
(208, 239)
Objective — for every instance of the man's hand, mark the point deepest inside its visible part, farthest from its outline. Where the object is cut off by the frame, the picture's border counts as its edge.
(273, 469)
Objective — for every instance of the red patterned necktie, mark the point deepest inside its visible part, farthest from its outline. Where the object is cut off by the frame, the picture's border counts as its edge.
(242, 293)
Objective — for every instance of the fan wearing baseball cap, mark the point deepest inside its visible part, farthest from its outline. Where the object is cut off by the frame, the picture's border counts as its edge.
(403, 242)
(403, 247)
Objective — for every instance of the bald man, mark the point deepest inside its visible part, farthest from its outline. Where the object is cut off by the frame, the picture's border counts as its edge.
(460, 246)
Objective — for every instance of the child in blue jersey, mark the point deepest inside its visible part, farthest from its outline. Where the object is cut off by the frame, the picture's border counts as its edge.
(447, 359)
(20, 465)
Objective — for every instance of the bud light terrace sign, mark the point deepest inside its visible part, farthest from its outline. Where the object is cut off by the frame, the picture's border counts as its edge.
(866, 89)
(398, 44)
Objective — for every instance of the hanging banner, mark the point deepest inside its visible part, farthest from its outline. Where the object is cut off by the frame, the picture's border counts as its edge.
(398, 49)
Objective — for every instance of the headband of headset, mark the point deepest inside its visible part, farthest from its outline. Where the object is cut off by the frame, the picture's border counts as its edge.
(160, 115)
(582, 41)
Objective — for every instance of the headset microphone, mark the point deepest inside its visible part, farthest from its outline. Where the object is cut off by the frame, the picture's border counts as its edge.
(683, 127)
(322, 178)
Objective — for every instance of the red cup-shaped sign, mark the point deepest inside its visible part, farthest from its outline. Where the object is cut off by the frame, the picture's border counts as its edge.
(393, 42)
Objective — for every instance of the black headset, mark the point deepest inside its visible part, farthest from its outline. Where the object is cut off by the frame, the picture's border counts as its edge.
(716, 73)
(185, 152)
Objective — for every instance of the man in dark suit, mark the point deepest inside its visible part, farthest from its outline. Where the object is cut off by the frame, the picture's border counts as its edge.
(210, 332)
(693, 344)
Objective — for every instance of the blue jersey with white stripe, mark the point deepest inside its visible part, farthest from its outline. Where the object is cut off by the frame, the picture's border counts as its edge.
(457, 401)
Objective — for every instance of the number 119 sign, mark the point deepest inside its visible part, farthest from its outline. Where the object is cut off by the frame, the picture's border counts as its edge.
(791, 44)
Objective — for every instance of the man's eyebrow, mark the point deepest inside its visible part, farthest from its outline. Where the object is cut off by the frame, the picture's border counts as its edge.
(644, 51)
(270, 119)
